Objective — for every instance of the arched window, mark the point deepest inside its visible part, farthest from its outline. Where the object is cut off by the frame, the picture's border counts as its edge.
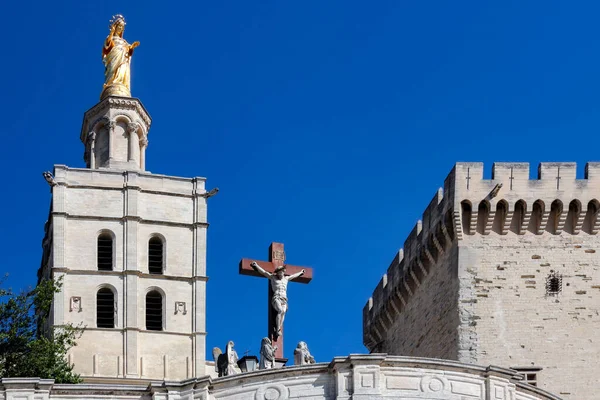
(155, 255)
(105, 252)
(154, 311)
(105, 308)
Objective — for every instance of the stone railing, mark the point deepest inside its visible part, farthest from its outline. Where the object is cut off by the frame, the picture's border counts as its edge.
(362, 377)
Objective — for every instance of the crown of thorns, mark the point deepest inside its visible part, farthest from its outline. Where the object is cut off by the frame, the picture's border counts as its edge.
(116, 18)
(280, 268)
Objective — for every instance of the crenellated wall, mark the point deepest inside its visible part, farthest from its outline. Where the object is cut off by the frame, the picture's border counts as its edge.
(473, 280)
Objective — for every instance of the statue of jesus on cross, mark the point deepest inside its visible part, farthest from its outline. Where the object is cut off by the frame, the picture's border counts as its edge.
(279, 282)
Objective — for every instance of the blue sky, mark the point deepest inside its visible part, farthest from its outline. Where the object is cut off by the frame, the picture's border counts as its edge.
(326, 125)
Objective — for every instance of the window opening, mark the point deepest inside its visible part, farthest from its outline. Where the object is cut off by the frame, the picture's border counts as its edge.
(105, 252)
(154, 311)
(105, 308)
(155, 256)
(553, 283)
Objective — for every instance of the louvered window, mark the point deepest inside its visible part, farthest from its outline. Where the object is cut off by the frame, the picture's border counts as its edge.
(105, 308)
(105, 252)
(154, 310)
(155, 256)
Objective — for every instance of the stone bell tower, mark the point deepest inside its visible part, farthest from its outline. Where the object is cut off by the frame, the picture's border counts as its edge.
(129, 245)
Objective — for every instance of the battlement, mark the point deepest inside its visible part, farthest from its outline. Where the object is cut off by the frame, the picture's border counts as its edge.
(509, 203)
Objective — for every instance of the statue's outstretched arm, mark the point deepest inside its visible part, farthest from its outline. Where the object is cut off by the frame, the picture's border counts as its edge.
(261, 271)
(296, 275)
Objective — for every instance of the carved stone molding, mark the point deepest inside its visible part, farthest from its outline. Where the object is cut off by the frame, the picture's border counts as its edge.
(75, 304)
(132, 127)
(272, 391)
(180, 308)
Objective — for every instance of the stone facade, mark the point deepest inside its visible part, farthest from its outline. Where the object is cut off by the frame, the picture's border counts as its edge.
(508, 275)
(358, 377)
(98, 240)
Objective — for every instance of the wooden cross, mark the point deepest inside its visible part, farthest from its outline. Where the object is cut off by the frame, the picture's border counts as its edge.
(276, 259)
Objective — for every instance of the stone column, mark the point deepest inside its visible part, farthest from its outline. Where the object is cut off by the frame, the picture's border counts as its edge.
(92, 139)
(132, 129)
(143, 145)
(111, 128)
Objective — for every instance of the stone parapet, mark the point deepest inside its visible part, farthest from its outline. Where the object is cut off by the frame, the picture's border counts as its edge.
(374, 376)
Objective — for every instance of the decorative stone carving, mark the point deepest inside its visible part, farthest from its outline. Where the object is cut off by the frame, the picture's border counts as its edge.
(75, 304)
(302, 356)
(49, 178)
(267, 354)
(132, 127)
(111, 125)
(226, 363)
(180, 307)
(144, 141)
(273, 391)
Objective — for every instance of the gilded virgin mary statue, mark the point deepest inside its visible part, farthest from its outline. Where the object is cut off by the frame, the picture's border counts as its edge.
(116, 56)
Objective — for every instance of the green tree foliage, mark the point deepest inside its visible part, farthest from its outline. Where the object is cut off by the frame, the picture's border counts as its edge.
(28, 347)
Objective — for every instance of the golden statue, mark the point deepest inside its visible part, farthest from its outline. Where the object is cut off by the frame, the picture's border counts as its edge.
(116, 56)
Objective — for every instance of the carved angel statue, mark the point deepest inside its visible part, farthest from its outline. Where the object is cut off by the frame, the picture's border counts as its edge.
(226, 363)
(267, 354)
(116, 56)
(302, 356)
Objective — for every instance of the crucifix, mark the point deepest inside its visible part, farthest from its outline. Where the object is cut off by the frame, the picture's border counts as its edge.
(279, 274)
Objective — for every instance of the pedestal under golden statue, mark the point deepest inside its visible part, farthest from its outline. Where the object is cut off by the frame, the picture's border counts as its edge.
(116, 56)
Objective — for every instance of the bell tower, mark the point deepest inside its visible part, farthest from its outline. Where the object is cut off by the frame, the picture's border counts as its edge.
(129, 246)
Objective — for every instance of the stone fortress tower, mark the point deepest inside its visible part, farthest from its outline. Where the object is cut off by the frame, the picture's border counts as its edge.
(130, 247)
(503, 271)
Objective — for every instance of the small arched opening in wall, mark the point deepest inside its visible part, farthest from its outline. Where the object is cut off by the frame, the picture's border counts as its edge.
(466, 210)
(500, 217)
(449, 224)
(105, 250)
(483, 213)
(156, 254)
(155, 309)
(591, 216)
(106, 307)
(536, 217)
(516, 224)
(573, 217)
(556, 209)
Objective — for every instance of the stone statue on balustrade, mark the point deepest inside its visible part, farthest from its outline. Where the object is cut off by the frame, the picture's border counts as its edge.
(302, 356)
(267, 354)
(226, 363)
